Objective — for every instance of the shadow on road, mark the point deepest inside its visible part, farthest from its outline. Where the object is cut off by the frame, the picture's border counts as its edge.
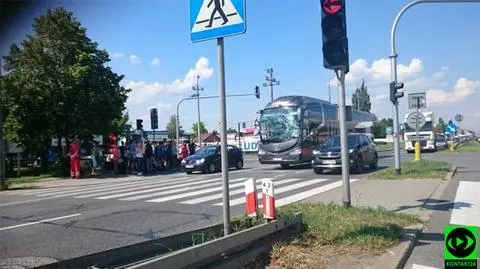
(435, 204)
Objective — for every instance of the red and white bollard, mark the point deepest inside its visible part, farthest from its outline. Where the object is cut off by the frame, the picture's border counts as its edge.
(251, 197)
(268, 199)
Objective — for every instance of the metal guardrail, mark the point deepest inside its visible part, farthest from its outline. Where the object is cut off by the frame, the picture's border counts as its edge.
(221, 248)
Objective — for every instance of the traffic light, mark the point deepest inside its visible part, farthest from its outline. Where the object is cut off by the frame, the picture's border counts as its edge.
(139, 124)
(334, 30)
(257, 92)
(394, 93)
(154, 118)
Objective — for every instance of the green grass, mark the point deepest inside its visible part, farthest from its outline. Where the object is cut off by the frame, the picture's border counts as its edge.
(424, 169)
(388, 146)
(332, 230)
(469, 147)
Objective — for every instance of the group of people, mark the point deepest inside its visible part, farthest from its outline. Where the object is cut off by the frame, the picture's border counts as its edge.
(133, 157)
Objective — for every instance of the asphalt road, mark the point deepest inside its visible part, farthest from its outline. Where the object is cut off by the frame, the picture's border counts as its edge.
(459, 205)
(65, 222)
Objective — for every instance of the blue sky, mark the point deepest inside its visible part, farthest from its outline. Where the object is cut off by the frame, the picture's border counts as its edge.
(437, 46)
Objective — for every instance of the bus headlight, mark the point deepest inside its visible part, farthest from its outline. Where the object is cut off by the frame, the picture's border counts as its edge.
(261, 152)
(296, 152)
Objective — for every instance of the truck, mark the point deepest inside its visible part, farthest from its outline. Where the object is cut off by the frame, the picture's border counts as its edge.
(427, 134)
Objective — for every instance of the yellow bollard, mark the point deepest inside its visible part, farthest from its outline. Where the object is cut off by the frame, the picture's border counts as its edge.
(452, 146)
(417, 151)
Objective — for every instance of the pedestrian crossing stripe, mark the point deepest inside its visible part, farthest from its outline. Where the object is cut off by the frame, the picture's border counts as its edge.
(213, 14)
(190, 190)
(417, 266)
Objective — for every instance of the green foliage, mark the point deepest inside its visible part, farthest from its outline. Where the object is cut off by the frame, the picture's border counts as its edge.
(59, 85)
(203, 130)
(172, 127)
(380, 127)
(361, 99)
(440, 127)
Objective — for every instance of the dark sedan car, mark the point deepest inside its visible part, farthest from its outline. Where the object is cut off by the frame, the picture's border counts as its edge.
(361, 151)
(208, 159)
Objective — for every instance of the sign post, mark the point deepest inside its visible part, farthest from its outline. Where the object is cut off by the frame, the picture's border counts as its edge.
(268, 199)
(452, 129)
(215, 19)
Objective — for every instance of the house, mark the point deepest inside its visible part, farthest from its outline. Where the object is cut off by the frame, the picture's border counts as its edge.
(208, 138)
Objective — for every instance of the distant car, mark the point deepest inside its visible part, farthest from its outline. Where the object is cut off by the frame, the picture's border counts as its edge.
(208, 159)
(361, 151)
(441, 142)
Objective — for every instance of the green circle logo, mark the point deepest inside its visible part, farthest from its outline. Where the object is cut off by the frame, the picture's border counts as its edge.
(461, 242)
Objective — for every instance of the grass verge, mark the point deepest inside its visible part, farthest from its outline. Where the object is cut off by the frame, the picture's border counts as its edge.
(469, 147)
(388, 146)
(424, 169)
(333, 230)
(19, 183)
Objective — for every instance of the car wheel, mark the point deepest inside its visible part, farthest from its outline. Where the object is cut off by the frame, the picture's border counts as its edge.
(317, 170)
(374, 165)
(285, 166)
(359, 165)
(212, 168)
(239, 164)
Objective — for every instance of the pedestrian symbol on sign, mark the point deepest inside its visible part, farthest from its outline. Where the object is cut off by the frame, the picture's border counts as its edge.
(218, 8)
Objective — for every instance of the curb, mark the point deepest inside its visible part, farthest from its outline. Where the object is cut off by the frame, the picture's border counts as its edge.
(451, 173)
(409, 234)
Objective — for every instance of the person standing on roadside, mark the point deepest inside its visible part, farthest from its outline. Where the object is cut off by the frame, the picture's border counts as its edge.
(139, 151)
(74, 153)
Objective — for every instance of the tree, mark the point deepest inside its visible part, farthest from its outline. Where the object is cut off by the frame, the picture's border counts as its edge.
(379, 128)
(59, 85)
(203, 130)
(231, 131)
(440, 127)
(361, 99)
(172, 127)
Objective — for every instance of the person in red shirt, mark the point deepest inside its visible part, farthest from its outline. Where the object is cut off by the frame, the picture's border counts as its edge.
(74, 159)
(183, 151)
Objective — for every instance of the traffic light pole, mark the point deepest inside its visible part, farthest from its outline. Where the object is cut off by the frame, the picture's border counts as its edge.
(344, 139)
(393, 62)
(201, 97)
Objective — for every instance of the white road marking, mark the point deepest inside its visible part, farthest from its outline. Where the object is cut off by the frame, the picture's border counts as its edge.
(235, 192)
(189, 194)
(303, 184)
(37, 222)
(188, 187)
(25, 201)
(306, 194)
(466, 208)
(416, 266)
(302, 171)
(281, 175)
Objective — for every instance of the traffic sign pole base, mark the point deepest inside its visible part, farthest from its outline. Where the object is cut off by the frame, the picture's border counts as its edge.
(398, 172)
(417, 152)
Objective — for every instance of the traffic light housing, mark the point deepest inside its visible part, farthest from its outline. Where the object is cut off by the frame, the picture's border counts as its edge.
(334, 35)
(394, 93)
(139, 124)
(154, 118)
(257, 92)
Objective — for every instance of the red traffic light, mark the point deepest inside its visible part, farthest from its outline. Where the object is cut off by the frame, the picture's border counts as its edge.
(332, 6)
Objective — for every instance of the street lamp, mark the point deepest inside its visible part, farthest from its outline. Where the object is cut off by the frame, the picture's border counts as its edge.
(197, 89)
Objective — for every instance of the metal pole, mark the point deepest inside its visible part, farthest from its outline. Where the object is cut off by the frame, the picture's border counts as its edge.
(329, 93)
(344, 140)
(223, 135)
(198, 117)
(417, 146)
(238, 135)
(271, 84)
(177, 121)
(393, 62)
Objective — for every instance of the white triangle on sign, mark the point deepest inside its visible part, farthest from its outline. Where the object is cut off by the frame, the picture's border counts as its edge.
(204, 17)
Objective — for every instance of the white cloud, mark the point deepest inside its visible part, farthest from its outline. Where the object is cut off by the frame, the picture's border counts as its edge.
(476, 113)
(134, 59)
(155, 62)
(142, 90)
(463, 88)
(162, 107)
(117, 55)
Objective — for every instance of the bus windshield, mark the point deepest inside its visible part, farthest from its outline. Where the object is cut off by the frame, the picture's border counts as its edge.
(279, 124)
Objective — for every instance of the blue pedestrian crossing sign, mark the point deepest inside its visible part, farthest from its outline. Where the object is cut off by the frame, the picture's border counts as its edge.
(451, 128)
(211, 19)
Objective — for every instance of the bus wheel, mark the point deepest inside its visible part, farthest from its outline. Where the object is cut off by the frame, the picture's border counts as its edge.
(317, 171)
(285, 165)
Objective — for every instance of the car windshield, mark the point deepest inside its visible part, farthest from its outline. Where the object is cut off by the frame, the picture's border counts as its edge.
(334, 141)
(279, 124)
(207, 151)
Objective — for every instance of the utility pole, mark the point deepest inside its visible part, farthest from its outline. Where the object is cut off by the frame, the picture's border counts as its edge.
(271, 81)
(197, 89)
(329, 93)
